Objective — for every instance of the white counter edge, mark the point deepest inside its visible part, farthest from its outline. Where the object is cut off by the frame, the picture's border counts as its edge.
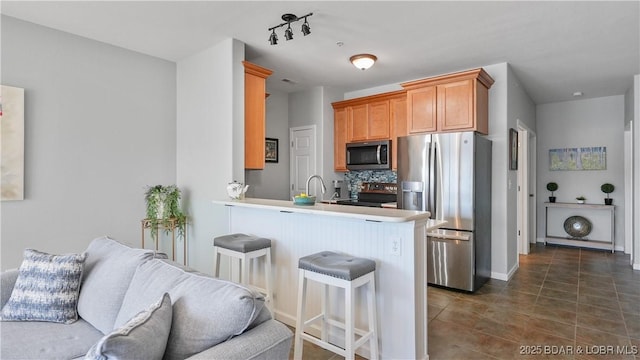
(354, 212)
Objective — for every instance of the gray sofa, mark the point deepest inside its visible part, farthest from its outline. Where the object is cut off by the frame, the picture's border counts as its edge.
(211, 318)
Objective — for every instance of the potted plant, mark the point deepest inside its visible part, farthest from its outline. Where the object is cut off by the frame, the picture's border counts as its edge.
(581, 199)
(163, 206)
(552, 187)
(607, 189)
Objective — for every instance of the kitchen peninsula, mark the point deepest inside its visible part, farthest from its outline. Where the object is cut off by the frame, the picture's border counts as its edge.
(395, 239)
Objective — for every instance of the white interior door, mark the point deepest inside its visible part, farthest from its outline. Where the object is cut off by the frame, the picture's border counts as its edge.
(526, 187)
(302, 158)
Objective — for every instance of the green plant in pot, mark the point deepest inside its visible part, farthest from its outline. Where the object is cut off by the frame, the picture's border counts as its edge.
(581, 199)
(552, 187)
(163, 206)
(607, 189)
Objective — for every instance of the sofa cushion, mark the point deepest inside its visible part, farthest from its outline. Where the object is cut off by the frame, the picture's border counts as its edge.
(46, 288)
(144, 336)
(206, 310)
(109, 268)
(46, 340)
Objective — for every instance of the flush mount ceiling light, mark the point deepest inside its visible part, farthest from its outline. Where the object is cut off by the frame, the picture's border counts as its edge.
(288, 33)
(363, 61)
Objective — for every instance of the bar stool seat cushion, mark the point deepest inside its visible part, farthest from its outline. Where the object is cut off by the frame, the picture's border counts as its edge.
(337, 265)
(241, 242)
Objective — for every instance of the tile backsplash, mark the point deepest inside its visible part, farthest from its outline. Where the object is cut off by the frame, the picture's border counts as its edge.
(354, 179)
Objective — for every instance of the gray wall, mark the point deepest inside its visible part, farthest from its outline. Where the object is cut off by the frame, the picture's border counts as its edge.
(99, 127)
(520, 108)
(273, 181)
(210, 135)
(580, 123)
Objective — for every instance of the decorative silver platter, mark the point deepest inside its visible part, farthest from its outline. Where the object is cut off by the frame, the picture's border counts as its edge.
(577, 226)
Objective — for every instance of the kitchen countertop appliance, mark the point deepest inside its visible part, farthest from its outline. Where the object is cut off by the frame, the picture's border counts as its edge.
(449, 175)
(373, 194)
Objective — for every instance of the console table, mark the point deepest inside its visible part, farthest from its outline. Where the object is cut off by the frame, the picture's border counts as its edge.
(170, 225)
(606, 243)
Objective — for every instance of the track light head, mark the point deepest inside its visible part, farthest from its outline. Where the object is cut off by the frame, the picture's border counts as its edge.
(288, 34)
(306, 30)
(273, 38)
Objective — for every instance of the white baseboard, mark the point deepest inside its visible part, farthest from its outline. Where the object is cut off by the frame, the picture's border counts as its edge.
(636, 266)
(499, 276)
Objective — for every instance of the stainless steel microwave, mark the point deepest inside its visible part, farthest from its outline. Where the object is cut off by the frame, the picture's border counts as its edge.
(369, 155)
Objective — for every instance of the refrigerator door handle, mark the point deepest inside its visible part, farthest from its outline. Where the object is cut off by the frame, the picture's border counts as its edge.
(431, 194)
(449, 237)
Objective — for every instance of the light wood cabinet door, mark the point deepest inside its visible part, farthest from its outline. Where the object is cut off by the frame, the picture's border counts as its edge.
(378, 121)
(456, 106)
(398, 126)
(340, 139)
(450, 102)
(421, 110)
(254, 114)
(357, 122)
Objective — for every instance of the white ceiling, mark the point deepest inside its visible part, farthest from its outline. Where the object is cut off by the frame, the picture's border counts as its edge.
(555, 48)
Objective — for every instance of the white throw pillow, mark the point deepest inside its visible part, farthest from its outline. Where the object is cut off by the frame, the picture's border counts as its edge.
(46, 289)
(144, 336)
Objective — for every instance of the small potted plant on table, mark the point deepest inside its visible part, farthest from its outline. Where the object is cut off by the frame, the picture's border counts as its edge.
(552, 187)
(581, 199)
(163, 207)
(607, 189)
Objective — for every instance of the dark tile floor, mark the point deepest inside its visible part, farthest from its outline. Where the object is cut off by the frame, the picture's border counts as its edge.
(562, 303)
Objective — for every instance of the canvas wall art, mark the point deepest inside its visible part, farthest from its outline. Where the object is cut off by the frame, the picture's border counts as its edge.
(582, 158)
(12, 142)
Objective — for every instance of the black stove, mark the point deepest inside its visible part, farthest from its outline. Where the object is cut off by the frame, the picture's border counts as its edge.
(373, 195)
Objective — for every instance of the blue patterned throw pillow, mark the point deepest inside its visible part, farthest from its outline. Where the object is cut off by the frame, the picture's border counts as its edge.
(47, 288)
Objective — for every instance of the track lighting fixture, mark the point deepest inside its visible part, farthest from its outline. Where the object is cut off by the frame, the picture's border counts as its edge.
(288, 33)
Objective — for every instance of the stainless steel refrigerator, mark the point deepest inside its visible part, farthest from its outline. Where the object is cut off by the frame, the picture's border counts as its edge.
(449, 175)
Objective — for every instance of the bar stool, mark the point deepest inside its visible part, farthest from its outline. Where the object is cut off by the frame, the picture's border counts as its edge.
(244, 248)
(348, 273)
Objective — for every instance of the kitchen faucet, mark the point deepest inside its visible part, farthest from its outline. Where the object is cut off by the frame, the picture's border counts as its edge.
(324, 188)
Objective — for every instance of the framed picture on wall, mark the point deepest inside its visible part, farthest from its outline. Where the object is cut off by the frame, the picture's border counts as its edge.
(271, 150)
(513, 149)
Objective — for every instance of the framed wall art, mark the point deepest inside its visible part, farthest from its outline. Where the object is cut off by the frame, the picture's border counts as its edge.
(513, 149)
(582, 158)
(12, 140)
(271, 150)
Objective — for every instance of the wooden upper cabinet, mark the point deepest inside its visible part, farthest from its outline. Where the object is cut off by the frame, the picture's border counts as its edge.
(398, 107)
(254, 114)
(340, 139)
(453, 102)
(357, 122)
(363, 119)
(378, 120)
(421, 109)
(455, 105)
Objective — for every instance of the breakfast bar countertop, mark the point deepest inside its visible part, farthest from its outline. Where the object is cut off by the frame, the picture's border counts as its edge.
(395, 239)
(357, 212)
